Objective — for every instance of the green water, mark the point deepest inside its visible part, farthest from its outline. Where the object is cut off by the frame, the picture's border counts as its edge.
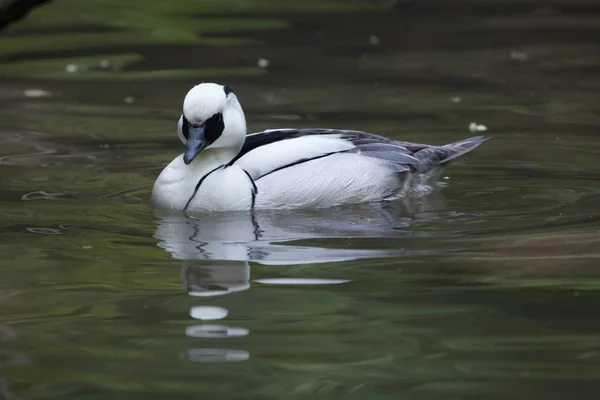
(487, 289)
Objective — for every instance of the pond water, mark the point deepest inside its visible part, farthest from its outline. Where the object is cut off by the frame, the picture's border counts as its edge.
(487, 288)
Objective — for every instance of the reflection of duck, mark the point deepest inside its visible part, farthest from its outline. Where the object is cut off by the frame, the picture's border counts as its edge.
(216, 250)
(287, 168)
(271, 237)
(215, 277)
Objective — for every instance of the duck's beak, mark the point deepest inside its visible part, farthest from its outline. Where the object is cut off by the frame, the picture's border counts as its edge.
(195, 143)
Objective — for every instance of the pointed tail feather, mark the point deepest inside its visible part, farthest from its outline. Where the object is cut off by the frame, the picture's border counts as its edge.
(461, 147)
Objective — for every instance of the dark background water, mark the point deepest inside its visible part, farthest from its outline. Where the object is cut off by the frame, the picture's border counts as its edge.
(488, 288)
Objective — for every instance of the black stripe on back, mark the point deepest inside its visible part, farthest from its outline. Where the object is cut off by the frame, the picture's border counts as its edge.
(260, 139)
(301, 161)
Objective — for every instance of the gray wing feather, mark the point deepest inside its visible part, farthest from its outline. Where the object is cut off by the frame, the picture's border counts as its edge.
(403, 156)
(413, 156)
(386, 151)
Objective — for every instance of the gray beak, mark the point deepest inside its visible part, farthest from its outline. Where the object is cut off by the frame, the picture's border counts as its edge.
(195, 143)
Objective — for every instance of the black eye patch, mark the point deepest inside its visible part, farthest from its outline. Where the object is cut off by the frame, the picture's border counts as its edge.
(185, 127)
(213, 127)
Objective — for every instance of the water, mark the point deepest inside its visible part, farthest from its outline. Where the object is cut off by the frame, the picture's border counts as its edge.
(488, 288)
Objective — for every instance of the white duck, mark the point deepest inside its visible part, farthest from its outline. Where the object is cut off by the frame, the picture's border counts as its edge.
(286, 168)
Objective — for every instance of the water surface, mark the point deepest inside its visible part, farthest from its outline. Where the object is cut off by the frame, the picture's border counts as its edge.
(488, 287)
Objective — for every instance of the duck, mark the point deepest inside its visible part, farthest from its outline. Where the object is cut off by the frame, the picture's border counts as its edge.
(225, 169)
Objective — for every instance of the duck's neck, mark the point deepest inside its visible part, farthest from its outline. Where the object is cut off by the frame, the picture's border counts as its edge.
(213, 158)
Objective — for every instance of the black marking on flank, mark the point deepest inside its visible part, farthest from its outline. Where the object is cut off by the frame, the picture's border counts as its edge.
(254, 188)
(227, 90)
(198, 187)
(303, 160)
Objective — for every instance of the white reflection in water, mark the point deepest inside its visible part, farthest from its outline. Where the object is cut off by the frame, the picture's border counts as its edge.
(271, 238)
(216, 250)
(215, 331)
(208, 313)
(215, 278)
(301, 281)
(216, 355)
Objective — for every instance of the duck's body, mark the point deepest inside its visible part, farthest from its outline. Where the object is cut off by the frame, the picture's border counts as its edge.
(287, 168)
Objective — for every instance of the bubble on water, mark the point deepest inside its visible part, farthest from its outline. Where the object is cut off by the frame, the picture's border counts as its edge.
(36, 93)
(475, 127)
(518, 56)
(72, 68)
(105, 64)
(263, 62)
(374, 40)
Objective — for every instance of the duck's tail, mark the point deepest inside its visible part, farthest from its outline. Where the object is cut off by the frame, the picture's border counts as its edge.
(461, 147)
(433, 156)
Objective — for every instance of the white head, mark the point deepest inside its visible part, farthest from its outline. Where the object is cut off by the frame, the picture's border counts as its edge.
(212, 118)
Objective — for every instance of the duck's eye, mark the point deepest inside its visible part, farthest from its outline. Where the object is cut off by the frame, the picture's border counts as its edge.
(214, 127)
(185, 128)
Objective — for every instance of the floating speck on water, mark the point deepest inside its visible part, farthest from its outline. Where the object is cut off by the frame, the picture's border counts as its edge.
(86, 247)
(263, 63)
(105, 64)
(72, 68)
(455, 99)
(34, 93)
(446, 178)
(128, 100)
(374, 40)
(475, 127)
(518, 56)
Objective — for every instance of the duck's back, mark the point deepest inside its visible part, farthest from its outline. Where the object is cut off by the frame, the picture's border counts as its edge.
(322, 168)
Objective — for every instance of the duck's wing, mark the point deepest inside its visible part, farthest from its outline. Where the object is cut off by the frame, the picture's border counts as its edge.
(272, 150)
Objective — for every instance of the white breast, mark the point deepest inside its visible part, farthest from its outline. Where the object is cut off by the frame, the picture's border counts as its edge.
(175, 185)
(226, 189)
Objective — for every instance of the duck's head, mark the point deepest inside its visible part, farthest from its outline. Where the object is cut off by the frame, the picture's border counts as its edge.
(212, 119)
